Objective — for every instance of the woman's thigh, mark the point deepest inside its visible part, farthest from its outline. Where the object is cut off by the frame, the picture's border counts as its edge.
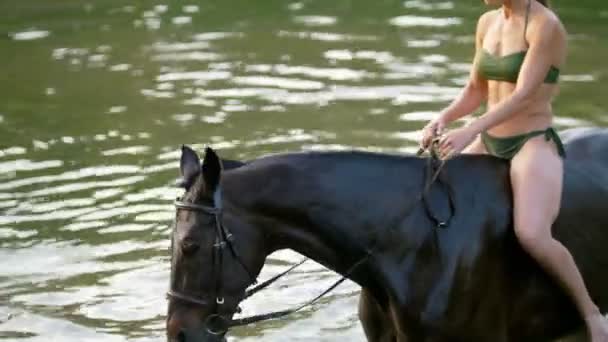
(536, 179)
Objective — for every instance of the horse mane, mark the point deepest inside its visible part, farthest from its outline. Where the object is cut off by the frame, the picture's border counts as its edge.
(230, 164)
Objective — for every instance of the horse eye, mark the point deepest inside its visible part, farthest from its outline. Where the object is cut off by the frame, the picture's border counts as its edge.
(189, 247)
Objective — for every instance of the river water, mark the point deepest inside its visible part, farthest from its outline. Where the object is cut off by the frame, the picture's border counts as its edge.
(97, 97)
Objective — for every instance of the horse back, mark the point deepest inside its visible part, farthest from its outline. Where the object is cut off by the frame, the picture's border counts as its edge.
(533, 306)
(582, 224)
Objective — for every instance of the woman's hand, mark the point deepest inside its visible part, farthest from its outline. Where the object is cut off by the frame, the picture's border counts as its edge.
(432, 130)
(454, 141)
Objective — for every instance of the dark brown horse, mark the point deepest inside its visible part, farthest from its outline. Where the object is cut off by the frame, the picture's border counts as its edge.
(361, 214)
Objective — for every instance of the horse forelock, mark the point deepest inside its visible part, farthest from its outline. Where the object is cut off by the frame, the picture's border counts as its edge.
(195, 193)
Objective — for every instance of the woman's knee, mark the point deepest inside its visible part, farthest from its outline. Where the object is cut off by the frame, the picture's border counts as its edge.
(542, 246)
(531, 237)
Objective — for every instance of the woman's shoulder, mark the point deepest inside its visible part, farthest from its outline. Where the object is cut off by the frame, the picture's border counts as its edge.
(486, 19)
(488, 16)
(544, 20)
(545, 13)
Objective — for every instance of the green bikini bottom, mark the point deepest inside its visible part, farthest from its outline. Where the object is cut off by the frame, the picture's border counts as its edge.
(507, 147)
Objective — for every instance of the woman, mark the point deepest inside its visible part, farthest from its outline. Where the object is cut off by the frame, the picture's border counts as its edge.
(519, 50)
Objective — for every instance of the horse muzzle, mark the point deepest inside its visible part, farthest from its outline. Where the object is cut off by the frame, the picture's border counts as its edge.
(198, 335)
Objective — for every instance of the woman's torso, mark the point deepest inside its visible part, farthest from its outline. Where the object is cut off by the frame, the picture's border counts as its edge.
(507, 38)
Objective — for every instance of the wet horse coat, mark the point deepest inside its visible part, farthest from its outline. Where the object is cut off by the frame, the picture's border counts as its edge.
(468, 282)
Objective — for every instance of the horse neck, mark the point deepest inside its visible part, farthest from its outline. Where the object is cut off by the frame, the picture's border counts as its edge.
(322, 207)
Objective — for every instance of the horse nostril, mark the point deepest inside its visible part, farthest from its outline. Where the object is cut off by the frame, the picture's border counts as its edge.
(181, 337)
(189, 247)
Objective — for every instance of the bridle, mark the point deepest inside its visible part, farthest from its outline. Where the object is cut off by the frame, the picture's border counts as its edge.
(223, 240)
(218, 323)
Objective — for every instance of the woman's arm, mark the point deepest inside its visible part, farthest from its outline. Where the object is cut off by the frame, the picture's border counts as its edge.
(471, 96)
(475, 92)
(545, 41)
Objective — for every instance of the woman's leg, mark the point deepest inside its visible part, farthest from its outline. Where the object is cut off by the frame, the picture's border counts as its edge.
(536, 177)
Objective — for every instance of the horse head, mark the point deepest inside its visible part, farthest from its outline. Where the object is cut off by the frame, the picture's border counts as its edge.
(215, 255)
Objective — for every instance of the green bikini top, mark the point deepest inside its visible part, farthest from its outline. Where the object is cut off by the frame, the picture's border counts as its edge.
(506, 68)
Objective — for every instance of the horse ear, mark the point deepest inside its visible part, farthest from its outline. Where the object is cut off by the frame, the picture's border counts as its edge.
(189, 166)
(212, 170)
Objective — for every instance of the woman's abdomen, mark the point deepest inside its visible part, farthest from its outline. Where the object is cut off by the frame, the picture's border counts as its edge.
(537, 115)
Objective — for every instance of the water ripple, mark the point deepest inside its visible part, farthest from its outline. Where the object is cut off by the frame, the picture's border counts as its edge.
(98, 214)
(194, 75)
(413, 20)
(315, 20)
(40, 328)
(42, 207)
(15, 150)
(97, 171)
(216, 35)
(28, 165)
(423, 5)
(334, 74)
(30, 35)
(187, 56)
(380, 57)
(79, 186)
(326, 36)
(126, 150)
(278, 82)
